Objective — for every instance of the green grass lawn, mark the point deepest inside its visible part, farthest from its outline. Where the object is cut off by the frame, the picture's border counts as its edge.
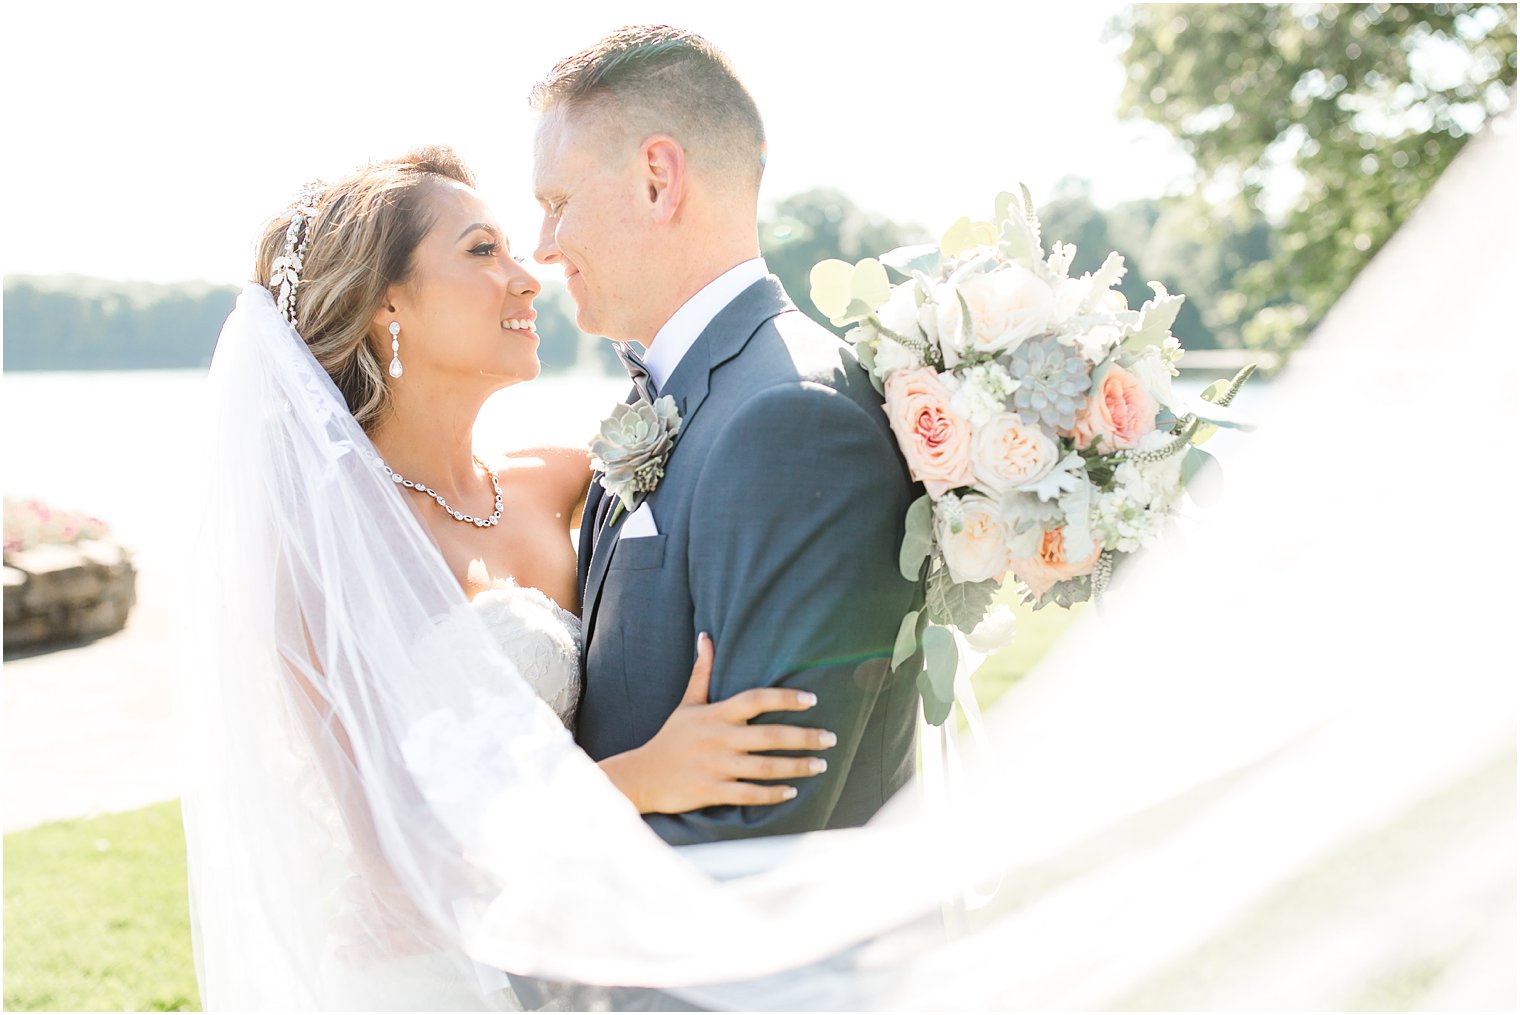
(96, 917)
(95, 911)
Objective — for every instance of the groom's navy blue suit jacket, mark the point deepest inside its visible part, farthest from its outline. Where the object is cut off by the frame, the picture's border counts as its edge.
(780, 517)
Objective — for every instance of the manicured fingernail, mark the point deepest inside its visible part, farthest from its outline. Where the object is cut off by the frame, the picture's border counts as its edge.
(827, 739)
(807, 698)
(817, 765)
(789, 792)
(705, 638)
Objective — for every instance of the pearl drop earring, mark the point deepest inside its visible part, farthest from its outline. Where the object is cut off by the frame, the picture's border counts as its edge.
(395, 349)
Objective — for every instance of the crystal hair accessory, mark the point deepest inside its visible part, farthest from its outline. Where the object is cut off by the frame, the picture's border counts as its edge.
(285, 273)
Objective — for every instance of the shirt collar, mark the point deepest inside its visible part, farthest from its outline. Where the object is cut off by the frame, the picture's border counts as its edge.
(686, 325)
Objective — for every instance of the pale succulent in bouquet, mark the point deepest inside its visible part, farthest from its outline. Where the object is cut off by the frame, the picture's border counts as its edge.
(1037, 410)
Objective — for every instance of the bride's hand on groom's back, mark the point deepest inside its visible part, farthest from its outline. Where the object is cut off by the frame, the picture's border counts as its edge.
(707, 754)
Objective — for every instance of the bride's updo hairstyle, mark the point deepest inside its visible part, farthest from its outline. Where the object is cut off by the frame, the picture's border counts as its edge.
(360, 243)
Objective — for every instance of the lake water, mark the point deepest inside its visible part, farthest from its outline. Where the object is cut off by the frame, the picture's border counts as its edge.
(122, 445)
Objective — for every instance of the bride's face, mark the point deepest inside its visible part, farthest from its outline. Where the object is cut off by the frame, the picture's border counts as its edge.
(467, 309)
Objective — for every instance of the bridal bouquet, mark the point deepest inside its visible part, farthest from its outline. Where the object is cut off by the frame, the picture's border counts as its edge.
(1037, 410)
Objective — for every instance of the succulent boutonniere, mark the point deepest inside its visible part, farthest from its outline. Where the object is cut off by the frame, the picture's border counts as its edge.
(631, 449)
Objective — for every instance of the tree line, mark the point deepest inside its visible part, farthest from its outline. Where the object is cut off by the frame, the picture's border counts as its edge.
(69, 322)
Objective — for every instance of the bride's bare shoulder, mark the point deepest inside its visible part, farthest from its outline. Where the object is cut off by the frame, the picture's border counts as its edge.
(562, 473)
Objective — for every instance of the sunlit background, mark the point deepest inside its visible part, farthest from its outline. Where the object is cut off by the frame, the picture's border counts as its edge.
(157, 139)
(1254, 157)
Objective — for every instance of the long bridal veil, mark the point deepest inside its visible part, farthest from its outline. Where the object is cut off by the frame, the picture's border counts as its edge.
(1276, 769)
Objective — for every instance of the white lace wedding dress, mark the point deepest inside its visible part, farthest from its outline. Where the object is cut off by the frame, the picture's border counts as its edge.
(542, 640)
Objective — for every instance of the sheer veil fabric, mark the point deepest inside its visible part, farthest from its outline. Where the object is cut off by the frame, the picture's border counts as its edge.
(1276, 769)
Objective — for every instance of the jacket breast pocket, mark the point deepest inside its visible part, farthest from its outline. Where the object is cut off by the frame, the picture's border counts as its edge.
(638, 554)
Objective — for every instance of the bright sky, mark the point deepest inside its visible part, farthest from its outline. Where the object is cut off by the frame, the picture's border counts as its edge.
(149, 141)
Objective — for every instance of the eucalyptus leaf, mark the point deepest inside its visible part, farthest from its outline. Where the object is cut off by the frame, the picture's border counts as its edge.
(1202, 476)
(1213, 393)
(965, 235)
(829, 282)
(918, 538)
(936, 711)
(907, 640)
(937, 682)
(857, 310)
(1005, 206)
(957, 239)
(905, 261)
(848, 293)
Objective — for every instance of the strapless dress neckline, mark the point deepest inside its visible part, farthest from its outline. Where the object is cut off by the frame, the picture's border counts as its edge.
(542, 639)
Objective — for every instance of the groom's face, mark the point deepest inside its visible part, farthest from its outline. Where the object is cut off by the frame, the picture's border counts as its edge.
(595, 226)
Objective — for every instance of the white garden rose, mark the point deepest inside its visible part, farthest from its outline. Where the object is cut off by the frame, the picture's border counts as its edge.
(1007, 306)
(1007, 453)
(979, 550)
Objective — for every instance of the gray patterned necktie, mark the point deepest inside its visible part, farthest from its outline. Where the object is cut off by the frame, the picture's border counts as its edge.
(634, 364)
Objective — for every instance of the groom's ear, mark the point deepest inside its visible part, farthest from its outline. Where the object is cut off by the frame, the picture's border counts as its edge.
(664, 163)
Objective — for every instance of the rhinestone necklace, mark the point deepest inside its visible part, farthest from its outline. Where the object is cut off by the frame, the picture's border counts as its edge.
(459, 516)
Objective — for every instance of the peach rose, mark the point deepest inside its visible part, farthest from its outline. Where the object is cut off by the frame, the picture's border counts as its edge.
(1118, 413)
(1007, 453)
(935, 441)
(979, 551)
(1050, 565)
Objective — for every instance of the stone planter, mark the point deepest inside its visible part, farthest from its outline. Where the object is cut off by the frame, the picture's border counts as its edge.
(67, 592)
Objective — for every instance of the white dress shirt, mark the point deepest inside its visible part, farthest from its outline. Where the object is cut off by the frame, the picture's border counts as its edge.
(686, 325)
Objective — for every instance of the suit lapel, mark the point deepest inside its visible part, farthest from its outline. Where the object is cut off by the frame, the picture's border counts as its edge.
(601, 557)
(590, 518)
(723, 339)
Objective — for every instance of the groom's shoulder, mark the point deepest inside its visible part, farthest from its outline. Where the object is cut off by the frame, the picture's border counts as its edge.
(791, 349)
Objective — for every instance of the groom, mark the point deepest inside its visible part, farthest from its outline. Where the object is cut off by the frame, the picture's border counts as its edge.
(777, 523)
